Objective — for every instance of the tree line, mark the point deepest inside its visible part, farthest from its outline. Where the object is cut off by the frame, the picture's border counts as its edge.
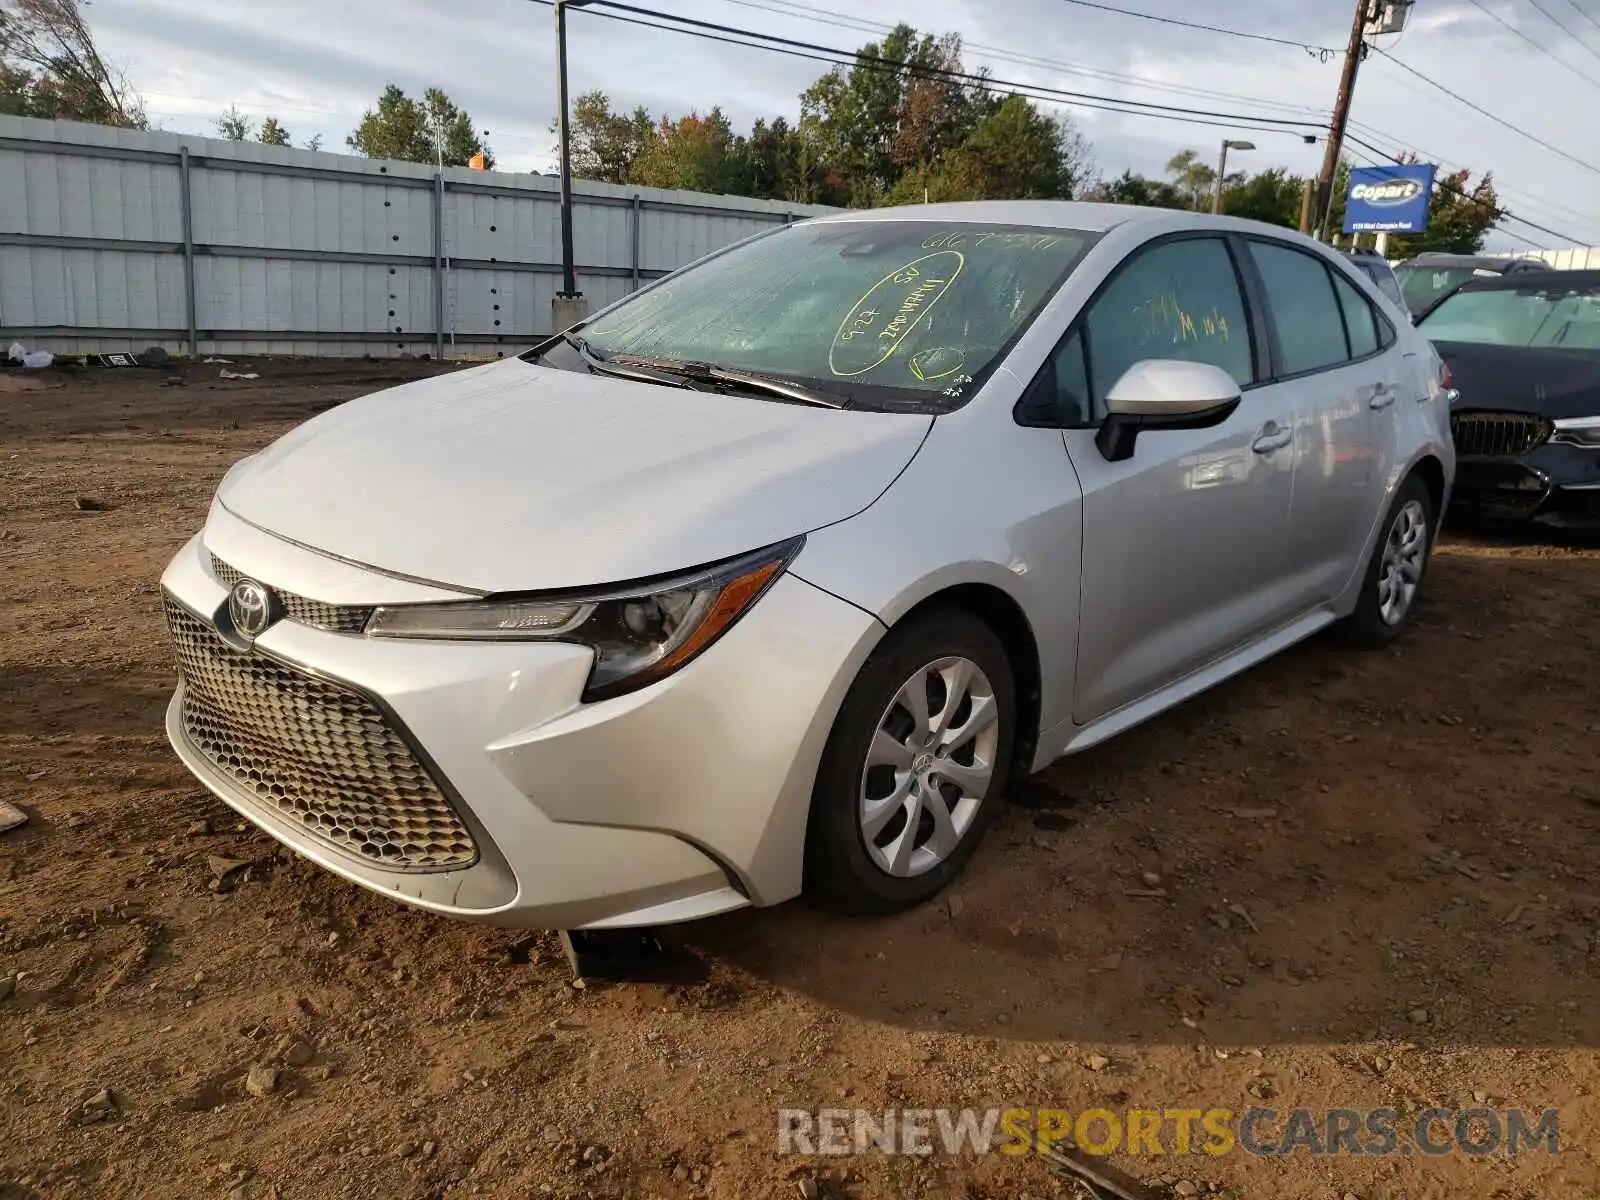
(907, 122)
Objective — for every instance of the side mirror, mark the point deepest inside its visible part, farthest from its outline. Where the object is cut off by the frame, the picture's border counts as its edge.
(1164, 393)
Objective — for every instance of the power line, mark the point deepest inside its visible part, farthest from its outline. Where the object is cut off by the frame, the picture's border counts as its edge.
(1557, 22)
(1321, 52)
(715, 31)
(1536, 140)
(1531, 200)
(1501, 213)
(1573, 4)
(832, 17)
(1481, 6)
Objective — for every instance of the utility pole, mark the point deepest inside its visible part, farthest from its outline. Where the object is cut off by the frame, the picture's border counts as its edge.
(568, 307)
(1341, 113)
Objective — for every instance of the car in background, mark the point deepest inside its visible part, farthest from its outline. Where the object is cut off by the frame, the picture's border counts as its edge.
(766, 577)
(1428, 278)
(1376, 268)
(1523, 352)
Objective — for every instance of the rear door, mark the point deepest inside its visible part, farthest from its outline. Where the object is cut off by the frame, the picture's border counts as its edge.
(1336, 356)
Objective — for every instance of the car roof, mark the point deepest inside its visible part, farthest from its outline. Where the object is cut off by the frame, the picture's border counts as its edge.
(1574, 280)
(1481, 262)
(1049, 214)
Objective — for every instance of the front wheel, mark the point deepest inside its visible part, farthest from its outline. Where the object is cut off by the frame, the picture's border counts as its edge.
(914, 767)
(1394, 574)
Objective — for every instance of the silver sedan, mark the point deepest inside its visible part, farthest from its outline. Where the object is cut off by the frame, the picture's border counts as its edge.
(771, 576)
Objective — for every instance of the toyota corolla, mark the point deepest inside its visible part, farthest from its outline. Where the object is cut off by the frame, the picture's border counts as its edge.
(769, 577)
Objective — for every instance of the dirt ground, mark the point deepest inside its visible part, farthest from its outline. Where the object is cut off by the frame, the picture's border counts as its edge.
(1377, 887)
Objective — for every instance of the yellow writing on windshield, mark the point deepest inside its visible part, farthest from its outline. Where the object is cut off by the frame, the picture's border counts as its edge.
(880, 321)
(959, 239)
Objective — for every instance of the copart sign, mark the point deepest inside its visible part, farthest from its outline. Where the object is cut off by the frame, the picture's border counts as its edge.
(1389, 199)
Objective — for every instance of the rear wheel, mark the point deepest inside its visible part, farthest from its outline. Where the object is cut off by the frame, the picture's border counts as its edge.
(914, 767)
(1393, 580)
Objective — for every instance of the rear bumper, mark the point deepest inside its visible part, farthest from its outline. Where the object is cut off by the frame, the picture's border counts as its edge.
(684, 799)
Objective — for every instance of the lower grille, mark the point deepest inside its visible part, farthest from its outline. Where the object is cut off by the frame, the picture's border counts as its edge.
(317, 752)
(1498, 434)
(336, 618)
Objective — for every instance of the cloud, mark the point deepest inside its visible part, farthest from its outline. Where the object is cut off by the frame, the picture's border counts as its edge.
(318, 63)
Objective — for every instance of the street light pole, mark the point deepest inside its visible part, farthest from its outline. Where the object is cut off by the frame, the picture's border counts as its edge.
(1222, 171)
(569, 278)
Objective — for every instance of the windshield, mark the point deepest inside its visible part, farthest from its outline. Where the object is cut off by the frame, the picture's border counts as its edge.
(1421, 286)
(880, 314)
(1557, 317)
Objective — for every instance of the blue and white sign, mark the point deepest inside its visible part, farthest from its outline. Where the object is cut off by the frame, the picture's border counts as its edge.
(1389, 199)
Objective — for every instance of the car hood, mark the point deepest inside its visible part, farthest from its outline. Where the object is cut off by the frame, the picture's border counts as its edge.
(1547, 382)
(514, 477)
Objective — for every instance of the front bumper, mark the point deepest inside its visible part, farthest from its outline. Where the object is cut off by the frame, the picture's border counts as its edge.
(1555, 485)
(681, 800)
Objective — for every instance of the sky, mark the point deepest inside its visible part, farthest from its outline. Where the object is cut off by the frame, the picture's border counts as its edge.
(317, 64)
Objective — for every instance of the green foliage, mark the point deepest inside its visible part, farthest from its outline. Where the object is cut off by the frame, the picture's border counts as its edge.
(1129, 188)
(51, 68)
(1272, 196)
(234, 125)
(1459, 219)
(1192, 176)
(867, 135)
(418, 130)
(272, 133)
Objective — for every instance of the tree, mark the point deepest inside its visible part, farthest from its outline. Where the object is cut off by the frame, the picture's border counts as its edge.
(234, 125)
(605, 144)
(1191, 175)
(896, 110)
(1129, 188)
(1272, 196)
(272, 133)
(693, 152)
(50, 67)
(1459, 218)
(1014, 153)
(418, 131)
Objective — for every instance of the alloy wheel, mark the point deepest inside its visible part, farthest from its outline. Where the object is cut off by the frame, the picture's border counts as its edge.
(929, 767)
(1405, 554)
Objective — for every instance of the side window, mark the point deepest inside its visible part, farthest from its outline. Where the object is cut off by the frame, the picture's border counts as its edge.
(1178, 300)
(1072, 382)
(1359, 319)
(1058, 397)
(1304, 309)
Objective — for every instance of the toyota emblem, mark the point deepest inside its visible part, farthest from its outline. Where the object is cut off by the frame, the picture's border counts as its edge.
(250, 608)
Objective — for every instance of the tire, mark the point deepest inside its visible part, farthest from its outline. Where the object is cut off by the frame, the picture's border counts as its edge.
(869, 791)
(1381, 613)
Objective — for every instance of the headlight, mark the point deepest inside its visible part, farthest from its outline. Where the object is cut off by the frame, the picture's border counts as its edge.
(1578, 431)
(638, 635)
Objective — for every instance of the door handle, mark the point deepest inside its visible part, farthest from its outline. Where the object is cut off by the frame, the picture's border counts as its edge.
(1382, 396)
(1272, 438)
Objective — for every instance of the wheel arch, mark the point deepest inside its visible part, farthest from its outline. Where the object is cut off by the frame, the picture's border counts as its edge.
(1431, 471)
(1003, 613)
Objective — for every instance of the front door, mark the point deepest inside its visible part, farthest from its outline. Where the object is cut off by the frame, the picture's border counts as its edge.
(1184, 542)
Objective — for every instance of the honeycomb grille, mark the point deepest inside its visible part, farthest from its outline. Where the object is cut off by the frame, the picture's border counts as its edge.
(336, 618)
(318, 753)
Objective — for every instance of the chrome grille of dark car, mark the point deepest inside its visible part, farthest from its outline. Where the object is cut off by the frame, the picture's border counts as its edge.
(1498, 434)
(336, 618)
(316, 752)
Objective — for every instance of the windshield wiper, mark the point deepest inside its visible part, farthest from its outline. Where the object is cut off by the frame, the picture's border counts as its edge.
(604, 366)
(711, 373)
